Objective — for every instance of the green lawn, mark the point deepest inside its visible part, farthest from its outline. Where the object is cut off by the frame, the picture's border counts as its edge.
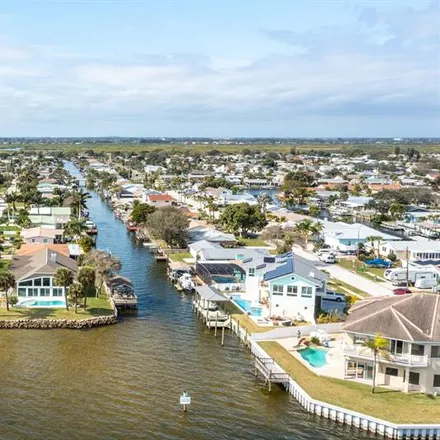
(95, 307)
(256, 242)
(385, 404)
(353, 266)
(179, 257)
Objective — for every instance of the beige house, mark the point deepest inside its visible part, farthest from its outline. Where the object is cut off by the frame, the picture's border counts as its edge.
(411, 324)
(42, 235)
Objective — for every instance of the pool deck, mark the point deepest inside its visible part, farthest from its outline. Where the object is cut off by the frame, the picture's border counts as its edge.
(335, 365)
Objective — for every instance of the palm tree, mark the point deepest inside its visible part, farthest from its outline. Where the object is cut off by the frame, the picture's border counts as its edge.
(64, 278)
(79, 201)
(12, 198)
(7, 282)
(372, 239)
(86, 277)
(264, 199)
(380, 348)
(76, 291)
(308, 227)
(74, 228)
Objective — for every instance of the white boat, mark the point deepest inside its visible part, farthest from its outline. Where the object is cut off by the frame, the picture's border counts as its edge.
(186, 282)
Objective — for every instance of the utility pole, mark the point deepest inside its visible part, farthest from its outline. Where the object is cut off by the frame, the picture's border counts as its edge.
(407, 267)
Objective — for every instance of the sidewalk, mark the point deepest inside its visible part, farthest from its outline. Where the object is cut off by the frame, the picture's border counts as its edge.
(338, 272)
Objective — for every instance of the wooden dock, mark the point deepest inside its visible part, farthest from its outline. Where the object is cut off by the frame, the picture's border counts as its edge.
(271, 372)
(121, 290)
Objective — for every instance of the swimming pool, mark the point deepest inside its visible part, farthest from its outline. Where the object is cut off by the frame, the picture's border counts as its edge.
(42, 303)
(316, 357)
(247, 307)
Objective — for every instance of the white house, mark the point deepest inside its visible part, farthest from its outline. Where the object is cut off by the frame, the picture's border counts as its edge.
(411, 325)
(287, 285)
(345, 237)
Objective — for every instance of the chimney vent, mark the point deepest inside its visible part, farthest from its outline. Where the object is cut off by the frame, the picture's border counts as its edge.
(53, 257)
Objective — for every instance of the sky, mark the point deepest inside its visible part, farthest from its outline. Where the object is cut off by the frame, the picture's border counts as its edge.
(312, 68)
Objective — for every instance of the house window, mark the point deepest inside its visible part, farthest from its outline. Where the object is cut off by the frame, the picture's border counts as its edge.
(306, 292)
(57, 291)
(277, 289)
(436, 382)
(22, 291)
(396, 346)
(45, 240)
(417, 350)
(414, 378)
(435, 351)
(37, 282)
(46, 282)
(251, 272)
(292, 290)
(26, 283)
(392, 371)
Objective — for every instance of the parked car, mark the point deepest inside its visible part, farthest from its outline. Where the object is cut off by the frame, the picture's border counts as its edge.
(334, 296)
(327, 258)
(402, 291)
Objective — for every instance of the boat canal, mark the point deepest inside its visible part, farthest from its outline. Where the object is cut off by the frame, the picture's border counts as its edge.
(124, 381)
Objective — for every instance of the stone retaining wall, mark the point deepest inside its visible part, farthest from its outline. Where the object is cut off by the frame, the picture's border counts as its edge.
(44, 324)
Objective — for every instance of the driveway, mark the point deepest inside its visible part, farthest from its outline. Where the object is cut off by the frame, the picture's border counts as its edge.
(338, 272)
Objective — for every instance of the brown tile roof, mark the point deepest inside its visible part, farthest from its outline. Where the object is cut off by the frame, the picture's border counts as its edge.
(41, 262)
(407, 317)
(30, 248)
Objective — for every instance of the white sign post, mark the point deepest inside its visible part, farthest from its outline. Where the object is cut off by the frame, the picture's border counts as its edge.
(185, 399)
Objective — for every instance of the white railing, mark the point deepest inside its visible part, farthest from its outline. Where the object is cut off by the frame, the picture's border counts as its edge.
(401, 359)
(346, 416)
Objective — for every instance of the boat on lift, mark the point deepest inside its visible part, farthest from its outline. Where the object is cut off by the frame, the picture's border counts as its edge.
(91, 228)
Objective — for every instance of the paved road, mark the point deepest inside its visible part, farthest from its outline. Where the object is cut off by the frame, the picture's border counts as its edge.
(336, 271)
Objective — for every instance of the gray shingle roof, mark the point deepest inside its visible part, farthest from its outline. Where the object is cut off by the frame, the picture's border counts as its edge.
(407, 317)
(40, 263)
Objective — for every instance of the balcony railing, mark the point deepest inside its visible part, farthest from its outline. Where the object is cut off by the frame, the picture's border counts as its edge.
(409, 360)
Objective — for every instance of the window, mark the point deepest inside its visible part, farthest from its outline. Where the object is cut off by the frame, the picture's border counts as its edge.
(436, 382)
(435, 351)
(392, 371)
(37, 282)
(251, 272)
(292, 290)
(22, 291)
(45, 240)
(417, 350)
(57, 291)
(306, 292)
(45, 292)
(277, 289)
(26, 283)
(396, 346)
(414, 378)
(46, 282)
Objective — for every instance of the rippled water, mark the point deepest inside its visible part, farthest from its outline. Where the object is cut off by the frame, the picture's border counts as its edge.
(124, 381)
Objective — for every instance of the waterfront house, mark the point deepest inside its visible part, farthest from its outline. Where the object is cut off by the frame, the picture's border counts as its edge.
(35, 271)
(411, 324)
(286, 285)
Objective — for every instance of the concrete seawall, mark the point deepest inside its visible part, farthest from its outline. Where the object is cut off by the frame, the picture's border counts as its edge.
(46, 324)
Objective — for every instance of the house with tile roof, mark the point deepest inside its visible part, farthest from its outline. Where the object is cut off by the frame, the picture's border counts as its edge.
(287, 285)
(411, 325)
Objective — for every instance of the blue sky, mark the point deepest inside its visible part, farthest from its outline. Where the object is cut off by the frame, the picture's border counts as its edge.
(220, 68)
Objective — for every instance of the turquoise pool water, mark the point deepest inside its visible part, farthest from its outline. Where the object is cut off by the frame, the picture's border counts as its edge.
(43, 303)
(314, 356)
(247, 307)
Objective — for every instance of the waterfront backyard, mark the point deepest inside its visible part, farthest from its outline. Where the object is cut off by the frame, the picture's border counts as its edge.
(95, 307)
(385, 404)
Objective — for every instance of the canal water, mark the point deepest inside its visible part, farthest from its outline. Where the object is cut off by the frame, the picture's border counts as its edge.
(124, 381)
